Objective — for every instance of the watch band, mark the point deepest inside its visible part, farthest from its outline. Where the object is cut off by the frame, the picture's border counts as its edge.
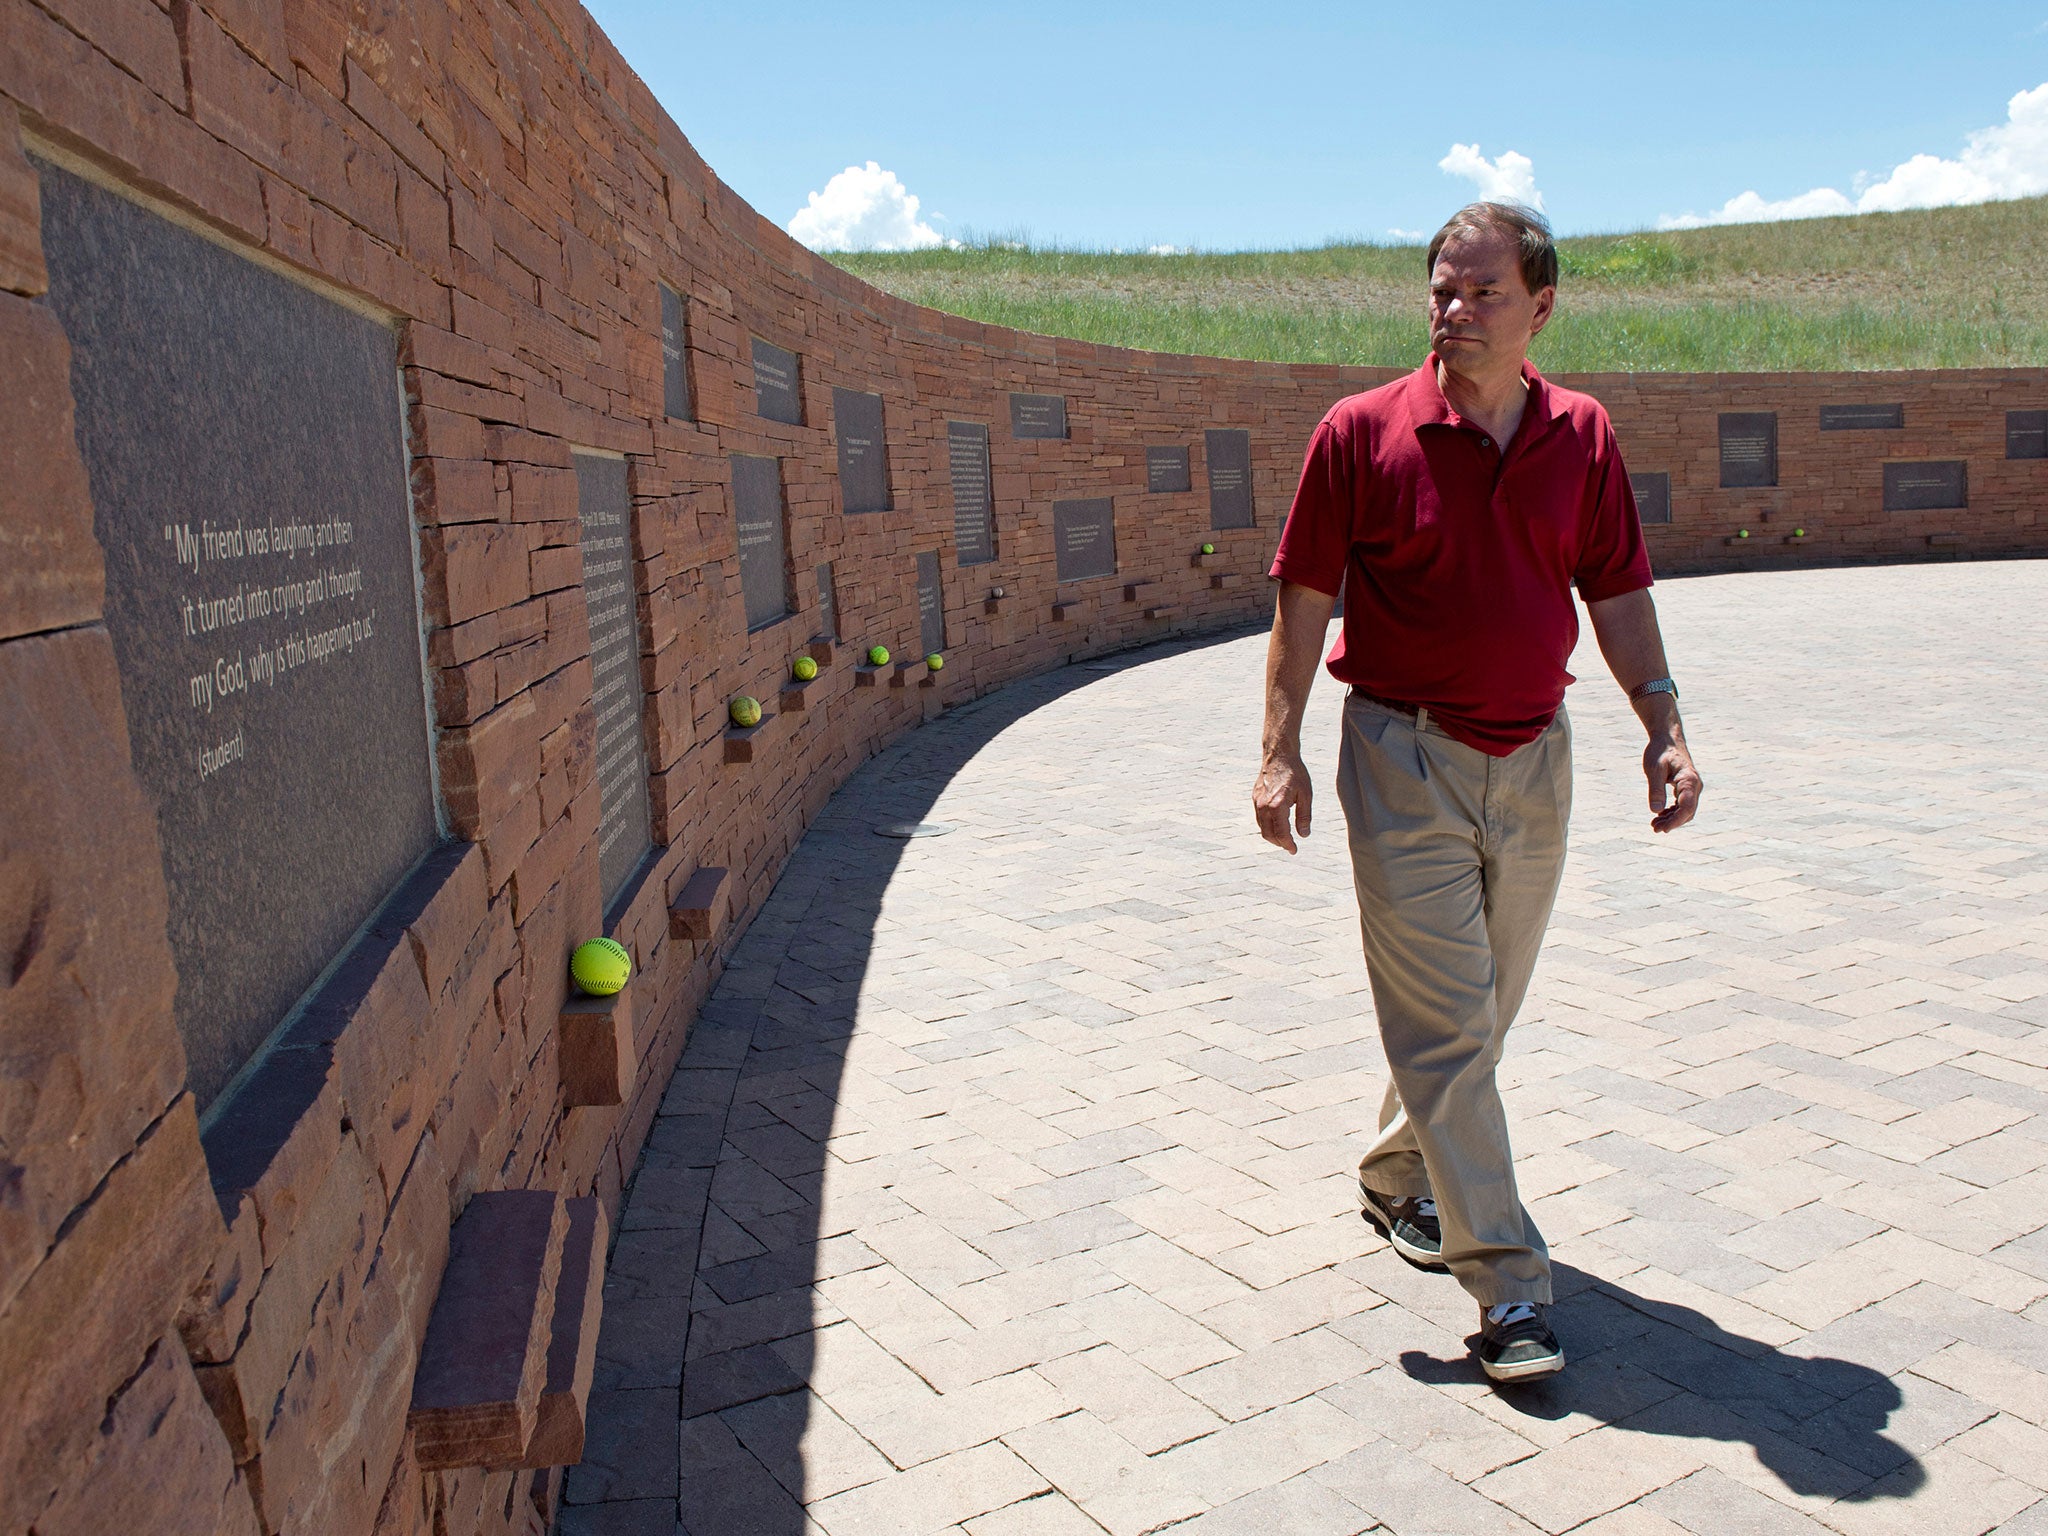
(1654, 685)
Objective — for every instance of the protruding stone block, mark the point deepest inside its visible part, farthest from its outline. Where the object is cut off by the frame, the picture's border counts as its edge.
(598, 1056)
(741, 740)
(699, 906)
(476, 1395)
(572, 1349)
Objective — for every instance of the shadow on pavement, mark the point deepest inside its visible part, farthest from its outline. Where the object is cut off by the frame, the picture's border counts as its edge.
(1659, 1368)
(699, 1416)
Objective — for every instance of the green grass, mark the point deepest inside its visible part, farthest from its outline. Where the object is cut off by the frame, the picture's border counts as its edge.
(1939, 288)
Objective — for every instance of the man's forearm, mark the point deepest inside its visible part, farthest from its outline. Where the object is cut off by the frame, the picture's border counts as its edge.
(1630, 640)
(1301, 618)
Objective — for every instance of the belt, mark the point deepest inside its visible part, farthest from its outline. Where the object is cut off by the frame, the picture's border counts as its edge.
(1398, 706)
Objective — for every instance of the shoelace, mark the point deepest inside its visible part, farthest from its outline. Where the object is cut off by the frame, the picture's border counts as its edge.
(1425, 1207)
(1509, 1312)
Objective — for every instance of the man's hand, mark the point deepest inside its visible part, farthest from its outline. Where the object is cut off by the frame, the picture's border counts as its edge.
(1282, 786)
(1668, 765)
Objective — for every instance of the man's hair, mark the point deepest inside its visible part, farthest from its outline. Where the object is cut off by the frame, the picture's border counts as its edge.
(1527, 228)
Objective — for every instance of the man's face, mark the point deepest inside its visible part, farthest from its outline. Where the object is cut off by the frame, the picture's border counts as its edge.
(1482, 316)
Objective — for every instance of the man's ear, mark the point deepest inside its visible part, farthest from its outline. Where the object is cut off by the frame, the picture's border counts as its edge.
(1546, 306)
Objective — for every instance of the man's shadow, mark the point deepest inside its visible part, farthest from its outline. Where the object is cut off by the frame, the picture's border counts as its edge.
(1818, 1423)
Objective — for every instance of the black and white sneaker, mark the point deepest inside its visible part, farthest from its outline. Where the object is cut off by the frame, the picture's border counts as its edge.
(1408, 1223)
(1516, 1344)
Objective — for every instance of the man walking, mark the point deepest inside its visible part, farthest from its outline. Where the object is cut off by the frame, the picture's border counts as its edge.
(1456, 508)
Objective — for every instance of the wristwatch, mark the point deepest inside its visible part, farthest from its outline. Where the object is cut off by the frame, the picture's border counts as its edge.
(1654, 685)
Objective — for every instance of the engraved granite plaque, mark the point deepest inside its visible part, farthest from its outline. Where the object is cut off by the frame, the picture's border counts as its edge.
(828, 603)
(1084, 538)
(1166, 469)
(1749, 448)
(1862, 418)
(974, 506)
(778, 383)
(1653, 496)
(1038, 415)
(931, 603)
(2026, 434)
(604, 508)
(675, 372)
(1229, 452)
(1926, 487)
(764, 538)
(863, 451)
(242, 435)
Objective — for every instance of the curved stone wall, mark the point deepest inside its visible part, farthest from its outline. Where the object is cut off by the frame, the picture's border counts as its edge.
(216, 1281)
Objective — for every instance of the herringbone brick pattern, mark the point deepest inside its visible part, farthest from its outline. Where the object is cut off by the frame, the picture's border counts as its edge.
(1006, 1186)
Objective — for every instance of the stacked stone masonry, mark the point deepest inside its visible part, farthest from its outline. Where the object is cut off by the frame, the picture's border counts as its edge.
(211, 1313)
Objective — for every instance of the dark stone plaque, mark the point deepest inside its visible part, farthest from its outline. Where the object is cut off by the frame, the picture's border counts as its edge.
(764, 538)
(2026, 434)
(974, 505)
(778, 383)
(1084, 538)
(242, 435)
(828, 603)
(675, 372)
(1653, 496)
(624, 828)
(1926, 487)
(1038, 415)
(863, 451)
(1166, 469)
(1229, 452)
(1862, 418)
(931, 603)
(1749, 448)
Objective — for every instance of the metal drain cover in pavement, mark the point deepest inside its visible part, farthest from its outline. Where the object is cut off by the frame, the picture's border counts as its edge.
(913, 829)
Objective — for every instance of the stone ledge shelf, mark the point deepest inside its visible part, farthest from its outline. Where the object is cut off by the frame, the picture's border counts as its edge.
(866, 676)
(1161, 611)
(901, 677)
(1225, 581)
(1134, 589)
(795, 693)
(484, 1364)
(1944, 541)
(1067, 611)
(740, 739)
(696, 911)
(1201, 562)
(598, 1055)
(572, 1346)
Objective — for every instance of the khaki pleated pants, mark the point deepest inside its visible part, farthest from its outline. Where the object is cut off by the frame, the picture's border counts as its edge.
(1456, 856)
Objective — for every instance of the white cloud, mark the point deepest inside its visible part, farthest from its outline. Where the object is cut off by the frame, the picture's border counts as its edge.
(1169, 250)
(1407, 234)
(864, 209)
(1507, 178)
(2009, 160)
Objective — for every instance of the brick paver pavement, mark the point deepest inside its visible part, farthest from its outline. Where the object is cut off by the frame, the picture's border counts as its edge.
(1006, 1185)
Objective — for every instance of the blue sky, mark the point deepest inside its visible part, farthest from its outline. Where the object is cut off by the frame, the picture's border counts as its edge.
(1248, 125)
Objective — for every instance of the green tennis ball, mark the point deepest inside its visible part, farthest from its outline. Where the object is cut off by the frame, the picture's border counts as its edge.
(1798, 533)
(1208, 549)
(878, 656)
(804, 669)
(935, 661)
(745, 711)
(600, 967)
(1743, 535)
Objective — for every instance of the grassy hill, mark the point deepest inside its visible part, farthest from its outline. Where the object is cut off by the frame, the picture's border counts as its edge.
(1940, 288)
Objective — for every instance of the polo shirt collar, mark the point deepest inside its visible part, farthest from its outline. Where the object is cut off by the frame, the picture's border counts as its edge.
(1429, 407)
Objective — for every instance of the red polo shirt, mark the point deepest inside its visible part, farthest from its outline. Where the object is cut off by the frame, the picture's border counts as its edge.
(1457, 561)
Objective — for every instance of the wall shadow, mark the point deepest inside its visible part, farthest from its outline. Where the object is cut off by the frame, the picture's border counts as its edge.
(708, 1302)
(1660, 1368)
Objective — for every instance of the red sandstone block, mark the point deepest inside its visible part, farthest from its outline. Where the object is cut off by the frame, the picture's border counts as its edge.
(699, 908)
(469, 569)
(449, 490)
(156, 1464)
(572, 1348)
(135, 34)
(476, 1392)
(369, 102)
(50, 569)
(108, 1288)
(597, 1049)
(21, 244)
